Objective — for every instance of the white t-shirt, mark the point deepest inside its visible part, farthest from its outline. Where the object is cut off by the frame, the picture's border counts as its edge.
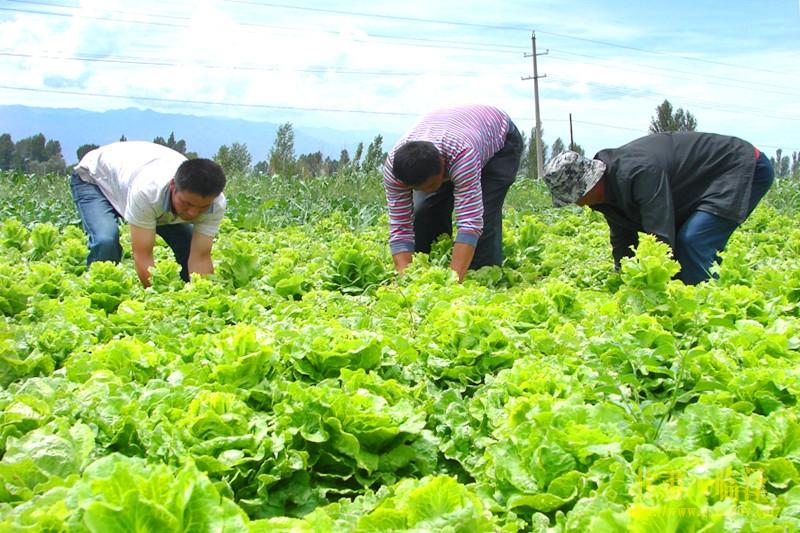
(134, 176)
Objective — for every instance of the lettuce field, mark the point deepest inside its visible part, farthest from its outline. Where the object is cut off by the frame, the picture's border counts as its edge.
(305, 387)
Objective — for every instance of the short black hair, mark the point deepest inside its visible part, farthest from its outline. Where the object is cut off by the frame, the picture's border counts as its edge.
(200, 176)
(416, 161)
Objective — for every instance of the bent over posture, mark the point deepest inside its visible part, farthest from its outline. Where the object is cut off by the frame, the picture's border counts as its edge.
(463, 158)
(157, 191)
(688, 189)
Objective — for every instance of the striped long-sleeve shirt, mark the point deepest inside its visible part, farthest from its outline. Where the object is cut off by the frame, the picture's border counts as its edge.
(467, 137)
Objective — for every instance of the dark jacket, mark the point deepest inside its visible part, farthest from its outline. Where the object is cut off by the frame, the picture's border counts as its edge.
(654, 183)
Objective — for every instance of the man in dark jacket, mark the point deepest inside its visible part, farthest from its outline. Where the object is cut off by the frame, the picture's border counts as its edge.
(689, 189)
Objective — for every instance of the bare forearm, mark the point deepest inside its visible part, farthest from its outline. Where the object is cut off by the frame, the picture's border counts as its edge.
(142, 241)
(201, 265)
(402, 260)
(462, 257)
(142, 263)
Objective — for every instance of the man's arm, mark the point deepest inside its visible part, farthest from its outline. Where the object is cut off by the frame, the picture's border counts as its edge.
(462, 257)
(200, 254)
(402, 260)
(465, 171)
(623, 241)
(142, 242)
(401, 218)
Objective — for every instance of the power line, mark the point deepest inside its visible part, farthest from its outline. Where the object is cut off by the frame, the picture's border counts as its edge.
(698, 104)
(498, 27)
(505, 27)
(408, 41)
(460, 45)
(428, 43)
(660, 69)
(286, 108)
(300, 108)
(607, 88)
(91, 17)
(208, 102)
(611, 126)
(62, 6)
(660, 53)
(143, 61)
(386, 17)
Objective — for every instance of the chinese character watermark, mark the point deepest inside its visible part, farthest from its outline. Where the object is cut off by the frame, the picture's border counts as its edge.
(747, 490)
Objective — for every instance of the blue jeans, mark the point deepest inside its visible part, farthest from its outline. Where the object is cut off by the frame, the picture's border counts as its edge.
(703, 235)
(101, 224)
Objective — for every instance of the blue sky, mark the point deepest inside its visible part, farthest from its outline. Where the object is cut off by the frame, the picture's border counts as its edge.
(378, 66)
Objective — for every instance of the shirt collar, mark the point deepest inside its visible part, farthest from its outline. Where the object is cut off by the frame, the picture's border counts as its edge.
(166, 204)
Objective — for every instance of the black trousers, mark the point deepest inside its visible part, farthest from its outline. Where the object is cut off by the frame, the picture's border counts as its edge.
(433, 212)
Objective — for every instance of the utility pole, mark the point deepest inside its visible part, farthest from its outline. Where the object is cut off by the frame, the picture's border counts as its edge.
(537, 117)
(571, 140)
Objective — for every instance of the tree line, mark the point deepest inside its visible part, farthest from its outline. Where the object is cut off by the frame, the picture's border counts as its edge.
(37, 155)
(33, 155)
(282, 160)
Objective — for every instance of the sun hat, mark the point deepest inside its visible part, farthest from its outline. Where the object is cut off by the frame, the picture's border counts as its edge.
(569, 176)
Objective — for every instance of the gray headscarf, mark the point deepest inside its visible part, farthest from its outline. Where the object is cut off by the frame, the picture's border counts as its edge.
(570, 175)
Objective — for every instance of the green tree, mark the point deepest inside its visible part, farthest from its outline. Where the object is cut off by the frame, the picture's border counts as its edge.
(667, 120)
(558, 147)
(310, 165)
(531, 171)
(52, 148)
(785, 167)
(53, 165)
(85, 149)
(6, 151)
(330, 166)
(781, 163)
(357, 156)
(171, 142)
(37, 155)
(344, 161)
(575, 147)
(28, 150)
(262, 167)
(281, 155)
(375, 154)
(234, 159)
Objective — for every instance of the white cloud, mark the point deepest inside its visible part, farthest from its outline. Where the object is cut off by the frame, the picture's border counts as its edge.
(263, 55)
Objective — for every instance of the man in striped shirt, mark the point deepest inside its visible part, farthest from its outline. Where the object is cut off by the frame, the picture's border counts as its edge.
(464, 159)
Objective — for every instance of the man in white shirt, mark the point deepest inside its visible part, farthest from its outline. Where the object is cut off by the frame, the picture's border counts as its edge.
(157, 191)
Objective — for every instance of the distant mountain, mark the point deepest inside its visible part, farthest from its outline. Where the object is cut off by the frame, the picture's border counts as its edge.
(204, 135)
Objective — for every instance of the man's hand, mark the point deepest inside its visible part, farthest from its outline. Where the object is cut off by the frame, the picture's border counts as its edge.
(200, 254)
(462, 257)
(402, 260)
(142, 242)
